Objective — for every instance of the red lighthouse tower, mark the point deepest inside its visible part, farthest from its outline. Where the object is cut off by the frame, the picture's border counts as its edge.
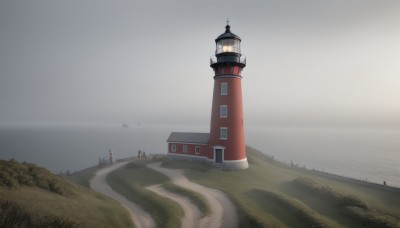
(226, 143)
(224, 146)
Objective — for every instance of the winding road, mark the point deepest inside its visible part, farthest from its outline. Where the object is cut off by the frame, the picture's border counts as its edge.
(223, 212)
(98, 183)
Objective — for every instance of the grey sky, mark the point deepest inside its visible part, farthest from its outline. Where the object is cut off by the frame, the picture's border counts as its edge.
(308, 62)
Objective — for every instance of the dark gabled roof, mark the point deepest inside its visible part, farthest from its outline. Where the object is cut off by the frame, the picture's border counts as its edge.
(189, 137)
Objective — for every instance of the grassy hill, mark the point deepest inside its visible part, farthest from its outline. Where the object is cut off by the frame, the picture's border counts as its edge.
(270, 194)
(31, 196)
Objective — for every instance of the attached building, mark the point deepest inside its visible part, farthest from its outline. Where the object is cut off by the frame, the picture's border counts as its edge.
(189, 146)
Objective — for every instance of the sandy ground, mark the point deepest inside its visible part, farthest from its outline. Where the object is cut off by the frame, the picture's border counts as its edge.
(139, 217)
(223, 212)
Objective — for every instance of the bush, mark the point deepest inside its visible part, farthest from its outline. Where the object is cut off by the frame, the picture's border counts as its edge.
(14, 174)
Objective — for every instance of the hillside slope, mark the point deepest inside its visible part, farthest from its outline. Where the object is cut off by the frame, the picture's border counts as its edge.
(270, 194)
(31, 196)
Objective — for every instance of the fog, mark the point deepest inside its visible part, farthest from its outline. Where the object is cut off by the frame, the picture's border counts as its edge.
(309, 63)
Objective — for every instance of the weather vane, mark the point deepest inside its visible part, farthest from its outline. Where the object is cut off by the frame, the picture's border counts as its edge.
(227, 21)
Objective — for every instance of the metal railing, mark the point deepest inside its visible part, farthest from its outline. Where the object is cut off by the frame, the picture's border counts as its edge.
(242, 59)
(214, 59)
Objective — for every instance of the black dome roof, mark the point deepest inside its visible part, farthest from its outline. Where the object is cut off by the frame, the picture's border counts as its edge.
(227, 35)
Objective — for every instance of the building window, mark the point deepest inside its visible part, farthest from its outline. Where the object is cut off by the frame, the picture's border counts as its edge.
(185, 148)
(197, 149)
(224, 88)
(223, 133)
(173, 148)
(223, 111)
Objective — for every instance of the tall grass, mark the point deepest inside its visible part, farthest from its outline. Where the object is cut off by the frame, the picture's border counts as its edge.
(83, 177)
(31, 196)
(328, 194)
(14, 174)
(349, 206)
(14, 215)
(291, 209)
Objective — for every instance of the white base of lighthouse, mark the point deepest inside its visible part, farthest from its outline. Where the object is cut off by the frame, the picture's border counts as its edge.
(230, 165)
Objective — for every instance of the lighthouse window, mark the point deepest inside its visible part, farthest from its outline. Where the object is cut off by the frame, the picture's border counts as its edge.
(185, 148)
(224, 88)
(223, 111)
(197, 150)
(228, 45)
(223, 133)
(173, 148)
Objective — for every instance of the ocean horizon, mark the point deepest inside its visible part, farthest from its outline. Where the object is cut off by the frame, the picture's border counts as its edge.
(372, 155)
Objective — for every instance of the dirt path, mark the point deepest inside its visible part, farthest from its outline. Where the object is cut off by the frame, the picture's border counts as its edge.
(192, 213)
(223, 212)
(98, 183)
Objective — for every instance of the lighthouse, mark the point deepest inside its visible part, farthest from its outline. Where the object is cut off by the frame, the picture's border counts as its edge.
(224, 146)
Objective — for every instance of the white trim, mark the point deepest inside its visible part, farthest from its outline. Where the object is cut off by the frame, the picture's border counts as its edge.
(185, 148)
(220, 135)
(221, 108)
(189, 155)
(236, 164)
(195, 148)
(221, 90)
(227, 76)
(219, 146)
(228, 161)
(235, 161)
(223, 153)
(173, 147)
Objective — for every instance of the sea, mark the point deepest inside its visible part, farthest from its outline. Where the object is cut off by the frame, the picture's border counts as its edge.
(371, 155)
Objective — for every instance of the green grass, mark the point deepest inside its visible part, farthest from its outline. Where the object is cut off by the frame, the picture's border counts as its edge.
(289, 211)
(267, 194)
(31, 196)
(13, 215)
(131, 181)
(270, 194)
(83, 177)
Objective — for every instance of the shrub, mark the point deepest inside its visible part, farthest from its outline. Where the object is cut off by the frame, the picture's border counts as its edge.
(14, 174)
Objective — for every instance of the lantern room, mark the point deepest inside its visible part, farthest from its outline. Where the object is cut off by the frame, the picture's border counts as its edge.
(228, 45)
(227, 53)
(227, 42)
